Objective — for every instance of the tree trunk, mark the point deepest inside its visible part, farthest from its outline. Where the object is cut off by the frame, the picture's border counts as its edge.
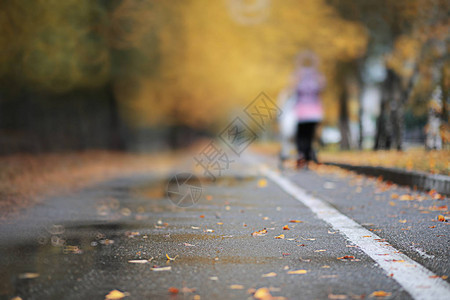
(344, 118)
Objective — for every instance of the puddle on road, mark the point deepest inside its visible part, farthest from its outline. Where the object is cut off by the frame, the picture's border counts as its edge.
(64, 254)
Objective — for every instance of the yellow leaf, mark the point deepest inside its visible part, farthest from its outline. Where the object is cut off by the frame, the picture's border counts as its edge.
(402, 221)
(441, 218)
(115, 295)
(262, 183)
(271, 274)
(406, 197)
(286, 227)
(281, 236)
(262, 293)
(236, 287)
(170, 258)
(295, 221)
(297, 272)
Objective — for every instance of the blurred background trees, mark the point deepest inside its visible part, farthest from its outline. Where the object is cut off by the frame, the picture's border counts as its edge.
(146, 74)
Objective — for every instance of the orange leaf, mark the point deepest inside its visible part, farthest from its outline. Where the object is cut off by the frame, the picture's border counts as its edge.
(295, 221)
(441, 218)
(286, 227)
(202, 216)
(281, 236)
(346, 257)
(380, 294)
(173, 290)
(260, 232)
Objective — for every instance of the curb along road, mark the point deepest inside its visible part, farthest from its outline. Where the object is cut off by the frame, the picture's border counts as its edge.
(423, 181)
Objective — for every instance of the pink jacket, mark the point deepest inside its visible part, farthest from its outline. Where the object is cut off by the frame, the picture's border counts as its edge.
(309, 106)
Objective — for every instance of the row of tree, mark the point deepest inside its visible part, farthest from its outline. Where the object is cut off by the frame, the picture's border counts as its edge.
(95, 71)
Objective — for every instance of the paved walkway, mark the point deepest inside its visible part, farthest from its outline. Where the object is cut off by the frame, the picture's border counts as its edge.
(119, 235)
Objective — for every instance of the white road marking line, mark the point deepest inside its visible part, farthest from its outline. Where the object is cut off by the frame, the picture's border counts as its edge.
(412, 276)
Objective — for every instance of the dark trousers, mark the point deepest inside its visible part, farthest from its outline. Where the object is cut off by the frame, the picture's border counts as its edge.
(304, 139)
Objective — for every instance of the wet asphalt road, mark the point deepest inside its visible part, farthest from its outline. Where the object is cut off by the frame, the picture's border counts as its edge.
(79, 246)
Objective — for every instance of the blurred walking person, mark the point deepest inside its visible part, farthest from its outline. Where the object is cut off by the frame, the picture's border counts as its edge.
(309, 82)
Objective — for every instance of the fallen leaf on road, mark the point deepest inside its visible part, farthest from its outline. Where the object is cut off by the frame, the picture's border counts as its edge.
(391, 203)
(286, 227)
(260, 232)
(346, 257)
(262, 294)
(186, 290)
(219, 223)
(138, 261)
(115, 295)
(394, 196)
(337, 297)
(173, 290)
(402, 221)
(321, 250)
(406, 197)
(236, 287)
(171, 258)
(325, 267)
(380, 294)
(441, 218)
(202, 216)
(297, 272)
(209, 230)
(432, 226)
(285, 254)
(169, 268)
(28, 275)
(262, 183)
(195, 227)
(271, 274)
(281, 236)
(189, 245)
(295, 221)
